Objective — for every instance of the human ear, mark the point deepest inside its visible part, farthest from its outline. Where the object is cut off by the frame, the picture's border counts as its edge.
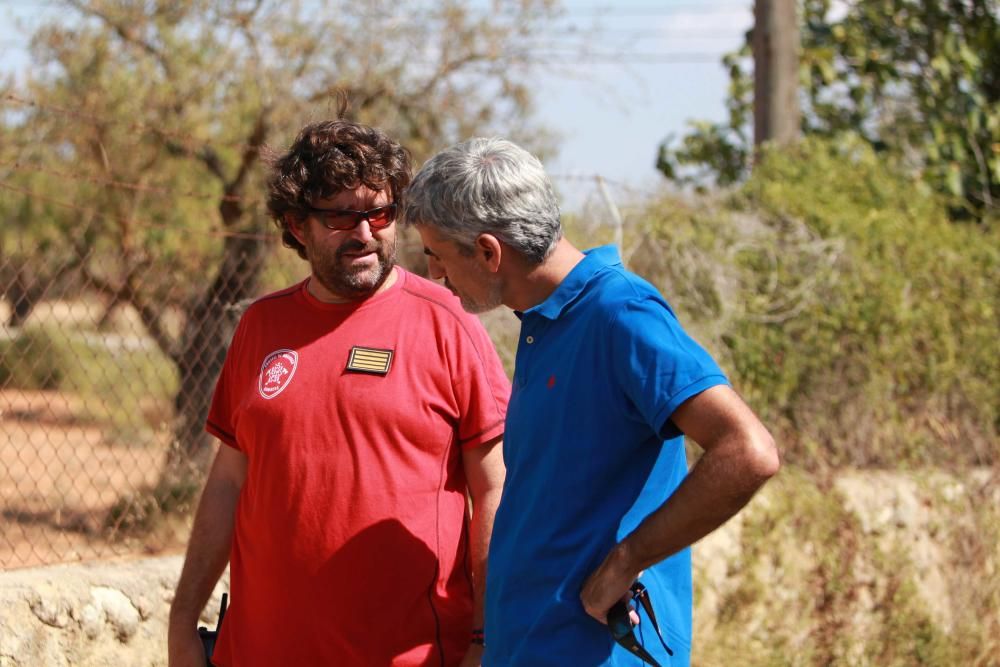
(489, 248)
(295, 224)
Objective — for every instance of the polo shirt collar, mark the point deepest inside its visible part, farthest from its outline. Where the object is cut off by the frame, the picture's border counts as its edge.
(594, 260)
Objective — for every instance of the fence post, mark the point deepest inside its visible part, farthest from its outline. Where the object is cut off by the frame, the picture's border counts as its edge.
(616, 216)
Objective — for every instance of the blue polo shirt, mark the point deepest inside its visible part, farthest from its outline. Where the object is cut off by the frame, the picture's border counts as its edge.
(590, 452)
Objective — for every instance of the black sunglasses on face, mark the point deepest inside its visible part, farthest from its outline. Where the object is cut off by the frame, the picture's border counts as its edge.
(344, 219)
(623, 631)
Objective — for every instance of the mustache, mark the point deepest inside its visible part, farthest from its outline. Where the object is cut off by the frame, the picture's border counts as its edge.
(358, 246)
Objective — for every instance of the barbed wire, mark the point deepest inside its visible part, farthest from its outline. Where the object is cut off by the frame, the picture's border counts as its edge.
(163, 191)
(595, 178)
(663, 9)
(137, 127)
(160, 190)
(135, 222)
(124, 185)
(676, 58)
(174, 193)
(582, 57)
(583, 34)
(579, 34)
(642, 33)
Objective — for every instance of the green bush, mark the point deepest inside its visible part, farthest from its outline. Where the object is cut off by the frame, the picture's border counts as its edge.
(814, 578)
(855, 318)
(32, 360)
(124, 383)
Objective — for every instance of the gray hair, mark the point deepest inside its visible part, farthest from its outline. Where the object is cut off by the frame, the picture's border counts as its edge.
(487, 186)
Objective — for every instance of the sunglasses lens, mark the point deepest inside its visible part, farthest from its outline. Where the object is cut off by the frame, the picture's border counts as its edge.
(620, 625)
(342, 220)
(345, 220)
(383, 216)
(619, 622)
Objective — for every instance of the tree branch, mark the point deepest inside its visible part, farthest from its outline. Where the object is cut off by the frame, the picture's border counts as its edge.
(128, 33)
(230, 207)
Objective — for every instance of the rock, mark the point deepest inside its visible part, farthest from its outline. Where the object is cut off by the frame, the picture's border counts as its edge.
(91, 621)
(94, 614)
(50, 607)
(118, 610)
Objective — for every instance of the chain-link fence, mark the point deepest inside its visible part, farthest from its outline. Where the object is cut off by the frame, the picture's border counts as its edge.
(106, 373)
(118, 302)
(107, 362)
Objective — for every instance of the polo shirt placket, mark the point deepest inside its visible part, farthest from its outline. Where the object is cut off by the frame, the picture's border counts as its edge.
(530, 346)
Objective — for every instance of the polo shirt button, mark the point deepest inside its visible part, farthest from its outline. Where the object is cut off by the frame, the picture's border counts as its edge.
(529, 340)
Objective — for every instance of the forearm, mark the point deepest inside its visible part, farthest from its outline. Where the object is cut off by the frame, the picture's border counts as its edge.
(207, 555)
(480, 530)
(207, 552)
(484, 472)
(739, 457)
(719, 484)
(723, 480)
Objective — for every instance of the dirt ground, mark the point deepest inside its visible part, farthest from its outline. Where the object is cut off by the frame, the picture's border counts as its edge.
(59, 476)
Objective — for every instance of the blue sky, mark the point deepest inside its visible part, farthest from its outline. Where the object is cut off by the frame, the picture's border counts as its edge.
(613, 115)
(656, 66)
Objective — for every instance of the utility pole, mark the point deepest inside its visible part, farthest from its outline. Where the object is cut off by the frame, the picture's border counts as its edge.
(776, 72)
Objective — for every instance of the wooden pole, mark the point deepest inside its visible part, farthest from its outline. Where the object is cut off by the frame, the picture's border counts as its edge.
(776, 72)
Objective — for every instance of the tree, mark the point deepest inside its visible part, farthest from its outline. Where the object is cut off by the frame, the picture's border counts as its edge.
(147, 122)
(917, 79)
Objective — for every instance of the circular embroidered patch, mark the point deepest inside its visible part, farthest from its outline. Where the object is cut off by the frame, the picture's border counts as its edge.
(276, 372)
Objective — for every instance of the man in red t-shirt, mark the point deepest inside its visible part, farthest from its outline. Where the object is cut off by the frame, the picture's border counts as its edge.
(356, 410)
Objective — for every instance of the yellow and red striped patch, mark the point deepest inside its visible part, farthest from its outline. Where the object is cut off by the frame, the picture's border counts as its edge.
(369, 360)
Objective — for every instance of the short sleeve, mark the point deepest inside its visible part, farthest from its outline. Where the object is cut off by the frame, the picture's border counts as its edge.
(657, 364)
(481, 386)
(220, 422)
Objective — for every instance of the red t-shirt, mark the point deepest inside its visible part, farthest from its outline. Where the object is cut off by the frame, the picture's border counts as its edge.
(351, 545)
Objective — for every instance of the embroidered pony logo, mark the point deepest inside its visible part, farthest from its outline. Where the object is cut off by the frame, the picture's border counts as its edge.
(276, 372)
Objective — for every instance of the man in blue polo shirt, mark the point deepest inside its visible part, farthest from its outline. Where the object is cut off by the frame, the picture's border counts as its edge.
(606, 386)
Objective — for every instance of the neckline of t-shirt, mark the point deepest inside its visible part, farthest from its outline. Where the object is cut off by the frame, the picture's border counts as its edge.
(347, 306)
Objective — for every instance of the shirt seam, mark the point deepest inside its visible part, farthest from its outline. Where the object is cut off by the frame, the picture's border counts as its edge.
(471, 340)
(222, 434)
(666, 412)
(578, 289)
(291, 291)
(615, 267)
(671, 404)
(466, 443)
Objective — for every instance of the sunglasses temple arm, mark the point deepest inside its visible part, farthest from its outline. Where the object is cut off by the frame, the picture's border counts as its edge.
(638, 650)
(647, 606)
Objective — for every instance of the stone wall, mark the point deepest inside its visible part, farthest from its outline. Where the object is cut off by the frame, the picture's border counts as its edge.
(846, 568)
(91, 614)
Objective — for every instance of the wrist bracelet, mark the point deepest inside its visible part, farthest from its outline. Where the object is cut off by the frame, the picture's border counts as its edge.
(478, 637)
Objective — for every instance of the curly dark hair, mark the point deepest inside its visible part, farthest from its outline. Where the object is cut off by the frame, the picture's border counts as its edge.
(327, 158)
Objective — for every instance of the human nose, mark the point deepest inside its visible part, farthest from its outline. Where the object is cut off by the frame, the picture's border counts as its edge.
(363, 230)
(435, 269)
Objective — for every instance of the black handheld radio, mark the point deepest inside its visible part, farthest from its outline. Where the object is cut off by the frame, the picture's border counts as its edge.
(208, 637)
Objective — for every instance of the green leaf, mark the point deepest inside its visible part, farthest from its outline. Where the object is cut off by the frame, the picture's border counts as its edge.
(953, 180)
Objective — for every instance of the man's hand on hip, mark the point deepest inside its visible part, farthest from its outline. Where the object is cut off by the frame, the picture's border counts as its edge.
(608, 584)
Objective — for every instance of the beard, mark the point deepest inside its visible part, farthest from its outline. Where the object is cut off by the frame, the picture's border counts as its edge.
(492, 299)
(354, 282)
